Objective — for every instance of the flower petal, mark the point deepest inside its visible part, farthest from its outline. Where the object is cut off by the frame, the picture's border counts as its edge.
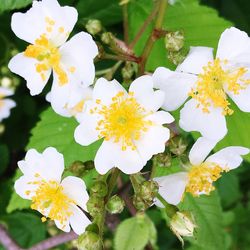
(200, 150)
(30, 25)
(234, 45)
(24, 188)
(26, 67)
(64, 227)
(110, 155)
(78, 221)
(6, 91)
(105, 90)
(197, 58)
(78, 54)
(229, 157)
(75, 189)
(211, 125)
(144, 93)
(176, 86)
(172, 188)
(5, 107)
(160, 117)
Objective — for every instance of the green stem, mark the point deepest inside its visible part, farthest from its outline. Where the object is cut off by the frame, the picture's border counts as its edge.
(161, 7)
(170, 209)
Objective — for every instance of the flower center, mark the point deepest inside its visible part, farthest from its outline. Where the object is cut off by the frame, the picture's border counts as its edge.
(50, 200)
(201, 178)
(123, 120)
(211, 85)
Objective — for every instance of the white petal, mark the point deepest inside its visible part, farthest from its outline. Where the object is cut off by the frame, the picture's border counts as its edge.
(5, 106)
(211, 125)
(200, 150)
(152, 142)
(105, 90)
(79, 53)
(6, 91)
(234, 44)
(30, 25)
(26, 67)
(75, 189)
(64, 227)
(172, 187)
(78, 221)
(144, 93)
(229, 158)
(86, 132)
(110, 155)
(197, 58)
(22, 185)
(242, 99)
(160, 117)
(176, 86)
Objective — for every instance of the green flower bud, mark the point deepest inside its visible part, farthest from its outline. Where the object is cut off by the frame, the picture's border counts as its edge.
(139, 203)
(89, 241)
(128, 70)
(5, 70)
(93, 26)
(77, 168)
(107, 37)
(148, 190)
(177, 145)
(115, 205)
(162, 160)
(174, 41)
(2, 128)
(99, 188)
(95, 205)
(176, 57)
(183, 225)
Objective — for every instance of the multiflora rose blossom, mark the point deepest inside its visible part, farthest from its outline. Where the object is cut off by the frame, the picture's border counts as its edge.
(209, 82)
(60, 200)
(129, 123)
(199, 176)
(6, 104)
(46, 26)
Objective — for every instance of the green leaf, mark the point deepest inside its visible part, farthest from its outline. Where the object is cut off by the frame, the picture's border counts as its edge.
(108, 11)
(26, 229)
(208, 217)
(13, 4)
(201, 25)
(57, 131)
(133, 234)
(17, 203)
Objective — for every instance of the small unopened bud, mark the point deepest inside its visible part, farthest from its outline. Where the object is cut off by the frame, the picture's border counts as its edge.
(177, 145)
(115, 205)
(176, 57)
(174, 41)
(14, 52)
(99, 188)
(2, 128)
(139, 203)
(107, 37)
(6, 82)
(89, 241)
(95, 205)
(5, 70)
(93, 26)
(183, 225)
(128, 70)
(148, 190)
(77, 168)
(162, 160)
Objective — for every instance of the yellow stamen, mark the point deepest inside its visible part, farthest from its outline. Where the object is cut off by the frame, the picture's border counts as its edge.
(212, 83)
(201, 178)
(50, 199)
(123, 120)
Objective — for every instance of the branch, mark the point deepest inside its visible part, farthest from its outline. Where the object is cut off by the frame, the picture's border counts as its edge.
(7, 241)
(54, 241)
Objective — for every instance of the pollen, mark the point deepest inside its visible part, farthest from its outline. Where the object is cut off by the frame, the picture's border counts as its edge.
(201, 178)
(50, 200)
(47, 56)
(123, 121)
(212, 84)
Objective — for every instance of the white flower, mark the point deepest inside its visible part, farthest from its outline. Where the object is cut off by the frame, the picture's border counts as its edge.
(58, 200)
(129, 123)
(6, 104)
(209, 82)
(199, 177)
(74, 105)
(46, 26)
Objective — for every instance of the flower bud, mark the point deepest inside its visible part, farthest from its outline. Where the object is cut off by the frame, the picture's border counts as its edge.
(99, 188)
(5, 70)
(182, 224)
(6, 82)
(176, 57)
(107, 37)
(93, 26)
(174, 41)
(115, 205)
(128, 70)
(139, 203)
(148, 190)
(162, 160)
(77, 168)
(177, 145)
(89, 241)
(95, 205)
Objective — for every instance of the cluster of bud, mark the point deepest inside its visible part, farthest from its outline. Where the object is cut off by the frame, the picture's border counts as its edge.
(177, 145)
(174, 41)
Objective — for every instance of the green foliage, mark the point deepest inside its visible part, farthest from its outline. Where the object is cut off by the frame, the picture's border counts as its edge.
(4, 157)
(6, 5)
(56, 131)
